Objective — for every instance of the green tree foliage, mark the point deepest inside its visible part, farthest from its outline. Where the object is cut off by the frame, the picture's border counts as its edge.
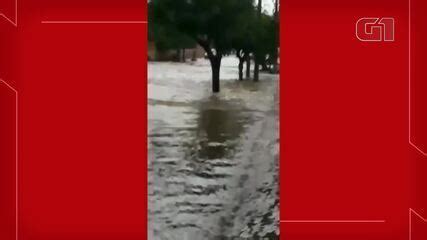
(243, 39)
(257, 35)
(165, 35)
(266, 35)
(168, 38)
(219, 27)
(210, 23)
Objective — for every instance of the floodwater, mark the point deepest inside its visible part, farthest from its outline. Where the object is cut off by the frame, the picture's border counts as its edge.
(213, 158)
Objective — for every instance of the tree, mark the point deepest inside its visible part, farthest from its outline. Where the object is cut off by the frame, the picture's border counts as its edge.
(266, 32)
(210, 23)
(264, 42)
(248, 66)
(244, 40)
(167, 38)
(257, 54)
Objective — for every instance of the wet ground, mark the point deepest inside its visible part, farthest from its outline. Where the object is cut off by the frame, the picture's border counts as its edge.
(213, 158)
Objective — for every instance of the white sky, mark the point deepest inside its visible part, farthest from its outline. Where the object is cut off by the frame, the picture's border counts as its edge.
(268, 5)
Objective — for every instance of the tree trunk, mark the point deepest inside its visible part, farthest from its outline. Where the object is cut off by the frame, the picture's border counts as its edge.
(215, 60)
(256, 70)
(248, 66)
(216, 66)
(178, 55)
(241, 61)
(264, 66)
(183, 55)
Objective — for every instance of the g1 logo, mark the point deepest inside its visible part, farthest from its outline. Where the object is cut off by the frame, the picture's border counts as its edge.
(375, 29)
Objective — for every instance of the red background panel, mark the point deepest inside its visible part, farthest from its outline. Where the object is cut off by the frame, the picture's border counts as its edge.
(418, 113)
(82, 145)
(93, 10)
(7, 123)
(344, 121)
(419, 74)
(8, 161)
(345, 154)
(7, 9)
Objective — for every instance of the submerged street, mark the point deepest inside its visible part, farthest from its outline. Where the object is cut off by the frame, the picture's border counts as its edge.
(213, 158)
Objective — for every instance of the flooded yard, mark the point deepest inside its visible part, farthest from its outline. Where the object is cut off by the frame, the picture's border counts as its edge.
(213, 158)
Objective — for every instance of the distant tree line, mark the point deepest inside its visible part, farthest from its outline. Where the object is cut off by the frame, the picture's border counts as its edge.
(220, 27)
